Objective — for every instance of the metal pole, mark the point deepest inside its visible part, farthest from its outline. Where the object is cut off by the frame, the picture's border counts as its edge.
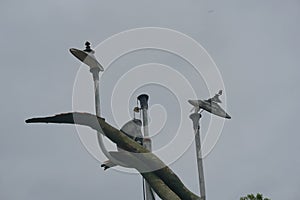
(143, 98)
(95, 72)
(87, 56)
(195, 117)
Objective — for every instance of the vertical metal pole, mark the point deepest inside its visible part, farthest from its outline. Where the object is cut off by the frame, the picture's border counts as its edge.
(195, 117)
(143, 98)
(86, 56)
(95, 72)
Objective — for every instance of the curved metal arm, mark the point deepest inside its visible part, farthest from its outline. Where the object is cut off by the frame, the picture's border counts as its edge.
(95, 73)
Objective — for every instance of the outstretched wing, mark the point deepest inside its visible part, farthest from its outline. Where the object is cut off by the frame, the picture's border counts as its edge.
(70, 118)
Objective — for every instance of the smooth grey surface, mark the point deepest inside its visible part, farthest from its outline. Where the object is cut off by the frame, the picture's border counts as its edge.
(195, 117)
(255, 44)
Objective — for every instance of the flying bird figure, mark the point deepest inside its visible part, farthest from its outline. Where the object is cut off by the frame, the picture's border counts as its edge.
(210, 105)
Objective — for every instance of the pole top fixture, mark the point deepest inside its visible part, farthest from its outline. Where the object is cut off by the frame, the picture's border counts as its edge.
(87, 56)
(143, 98)
(88, 47)
(195, 117)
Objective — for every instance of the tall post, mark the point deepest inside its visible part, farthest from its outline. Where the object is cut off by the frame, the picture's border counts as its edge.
(87, 57)
(95, 72)
(195, 117)
(143, 98)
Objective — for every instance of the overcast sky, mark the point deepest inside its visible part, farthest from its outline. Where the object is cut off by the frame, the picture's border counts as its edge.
(255, 45)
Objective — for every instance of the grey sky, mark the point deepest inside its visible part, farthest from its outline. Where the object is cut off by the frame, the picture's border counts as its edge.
(255, 44)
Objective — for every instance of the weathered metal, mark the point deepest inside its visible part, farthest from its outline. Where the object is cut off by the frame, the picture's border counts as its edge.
(143, 98)
(195, 117)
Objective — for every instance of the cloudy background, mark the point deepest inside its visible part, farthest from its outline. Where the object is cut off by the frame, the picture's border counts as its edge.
(255, 44)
